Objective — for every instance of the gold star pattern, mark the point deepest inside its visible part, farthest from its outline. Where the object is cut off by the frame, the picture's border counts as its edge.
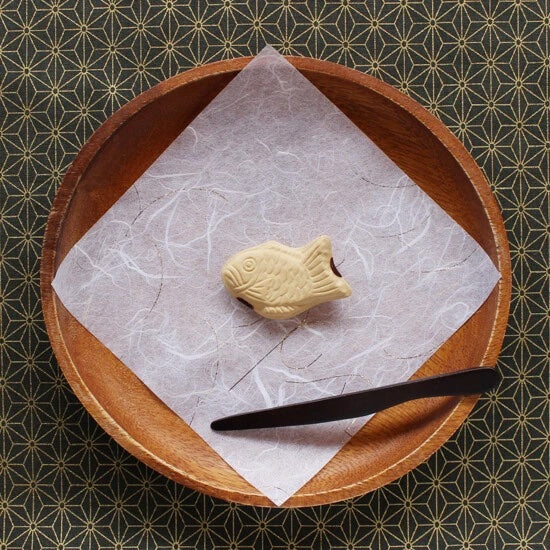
(483, 68)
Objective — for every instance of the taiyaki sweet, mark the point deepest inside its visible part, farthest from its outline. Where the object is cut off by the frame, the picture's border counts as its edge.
(280, 282)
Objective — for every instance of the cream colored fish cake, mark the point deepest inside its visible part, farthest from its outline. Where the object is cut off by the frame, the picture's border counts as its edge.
(280, 282)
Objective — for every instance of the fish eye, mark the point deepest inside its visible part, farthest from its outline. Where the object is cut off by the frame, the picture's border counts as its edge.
(249, 264)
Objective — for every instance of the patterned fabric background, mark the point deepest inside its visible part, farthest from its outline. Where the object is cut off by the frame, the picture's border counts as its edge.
(483, 68)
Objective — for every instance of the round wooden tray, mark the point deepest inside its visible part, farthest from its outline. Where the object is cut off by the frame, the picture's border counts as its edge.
(394, 441)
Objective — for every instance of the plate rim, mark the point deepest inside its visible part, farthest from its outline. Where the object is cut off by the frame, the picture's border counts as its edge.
(93, 146)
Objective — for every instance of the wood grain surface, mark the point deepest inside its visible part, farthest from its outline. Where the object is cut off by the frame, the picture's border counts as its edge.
(395, 440)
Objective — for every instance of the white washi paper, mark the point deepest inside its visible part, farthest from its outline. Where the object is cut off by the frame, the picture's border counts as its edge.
(272, 158)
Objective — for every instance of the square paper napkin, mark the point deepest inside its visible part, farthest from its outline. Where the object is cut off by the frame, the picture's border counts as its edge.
(271, 158)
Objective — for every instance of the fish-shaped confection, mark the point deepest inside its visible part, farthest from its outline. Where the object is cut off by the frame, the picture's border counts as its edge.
(279, 281)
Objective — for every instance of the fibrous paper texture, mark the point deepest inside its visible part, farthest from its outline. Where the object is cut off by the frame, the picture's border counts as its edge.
(271, 158)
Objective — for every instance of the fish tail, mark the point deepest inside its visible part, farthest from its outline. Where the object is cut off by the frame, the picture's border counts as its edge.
(327, 281)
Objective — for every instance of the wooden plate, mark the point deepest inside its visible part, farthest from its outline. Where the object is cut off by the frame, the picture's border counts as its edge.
(394, 441)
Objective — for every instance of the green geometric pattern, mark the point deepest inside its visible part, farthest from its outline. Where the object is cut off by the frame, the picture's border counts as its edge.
(483, 68)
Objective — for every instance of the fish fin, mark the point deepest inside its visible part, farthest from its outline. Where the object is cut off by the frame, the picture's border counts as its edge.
(281, 312)
(317, 259)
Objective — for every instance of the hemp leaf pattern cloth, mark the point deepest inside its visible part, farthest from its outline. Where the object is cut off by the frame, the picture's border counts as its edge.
(480, 67)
